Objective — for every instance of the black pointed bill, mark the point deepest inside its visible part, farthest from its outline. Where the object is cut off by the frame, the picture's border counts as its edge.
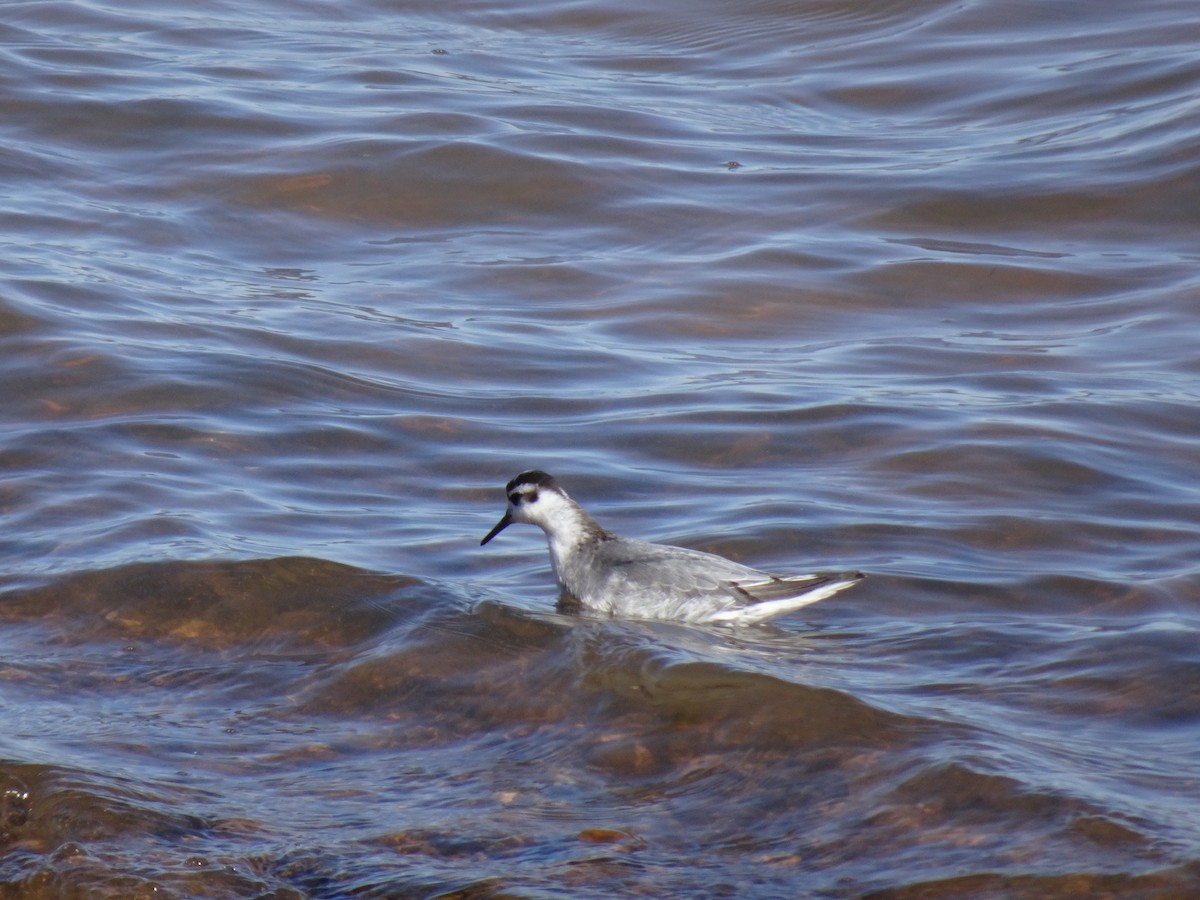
(504, 522)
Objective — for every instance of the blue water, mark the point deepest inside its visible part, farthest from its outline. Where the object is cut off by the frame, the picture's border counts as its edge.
(289, 292)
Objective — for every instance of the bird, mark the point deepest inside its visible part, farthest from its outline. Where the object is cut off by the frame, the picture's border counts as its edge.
(603, 573)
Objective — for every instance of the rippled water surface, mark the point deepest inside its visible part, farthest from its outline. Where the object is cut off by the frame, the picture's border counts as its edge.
(289, 290)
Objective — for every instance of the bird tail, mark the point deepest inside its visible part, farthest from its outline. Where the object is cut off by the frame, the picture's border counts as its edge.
(768, 599)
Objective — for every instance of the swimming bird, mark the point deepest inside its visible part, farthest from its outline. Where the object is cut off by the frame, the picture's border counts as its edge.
(620, 576)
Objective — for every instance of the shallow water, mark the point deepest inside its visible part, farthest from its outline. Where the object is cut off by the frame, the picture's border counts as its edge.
(289, 292)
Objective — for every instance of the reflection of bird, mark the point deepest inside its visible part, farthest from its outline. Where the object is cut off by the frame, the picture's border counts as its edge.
(624, 577)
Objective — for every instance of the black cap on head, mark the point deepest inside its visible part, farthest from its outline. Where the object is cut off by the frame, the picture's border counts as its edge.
(536, 477)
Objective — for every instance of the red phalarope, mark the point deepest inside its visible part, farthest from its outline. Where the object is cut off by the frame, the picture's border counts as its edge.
(623, 577)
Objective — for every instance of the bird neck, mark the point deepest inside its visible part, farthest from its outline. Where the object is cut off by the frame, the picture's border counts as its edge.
(567, 529)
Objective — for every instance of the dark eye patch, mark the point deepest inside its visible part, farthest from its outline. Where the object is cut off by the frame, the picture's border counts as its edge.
(528, 496)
